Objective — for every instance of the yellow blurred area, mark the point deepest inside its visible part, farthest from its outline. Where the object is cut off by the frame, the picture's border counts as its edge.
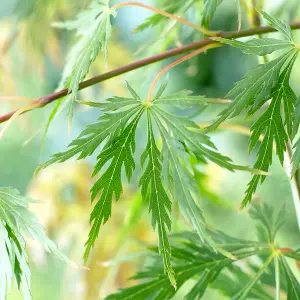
(64, 211)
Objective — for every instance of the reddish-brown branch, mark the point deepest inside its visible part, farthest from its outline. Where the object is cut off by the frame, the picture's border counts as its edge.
(43, 101)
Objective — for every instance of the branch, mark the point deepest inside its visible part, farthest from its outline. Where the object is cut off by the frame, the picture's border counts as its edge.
(43, 101)
(166, 14)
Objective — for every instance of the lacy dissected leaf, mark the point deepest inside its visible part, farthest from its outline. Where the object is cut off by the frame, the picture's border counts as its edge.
(172, 7)
(192, 259)
(119, 153)
(180, 181)
(115, 134)
(270, 124)
(260, 47)
(158, 286)
(194, 139)
(210, 7)
(159, 202)
(17, 221)
(262, 83)
(117, 112)
(94, 30)
(255, 278)
(254, 89)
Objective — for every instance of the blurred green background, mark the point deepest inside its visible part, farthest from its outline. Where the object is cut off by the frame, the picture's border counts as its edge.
(32, 57)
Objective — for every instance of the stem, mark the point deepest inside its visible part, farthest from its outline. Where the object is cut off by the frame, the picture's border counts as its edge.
(166, 14)
(295, 185)
(277, 278)
(45, 100)
(177, 62)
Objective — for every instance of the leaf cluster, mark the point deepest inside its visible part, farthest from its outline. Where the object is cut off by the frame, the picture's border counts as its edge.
(266, 87)
(16, 221)
(166, 172)
(195, 261)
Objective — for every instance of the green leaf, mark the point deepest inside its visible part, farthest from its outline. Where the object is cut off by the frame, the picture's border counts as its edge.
(159, 202)
(254, 89)
(282, 27)
(114, 134)
(198, 143)
(259, 47)
(180, 182)
(115, 131)
(192, 259)
(209, 10)
(94, 30)
(270, 123)
(119, 152)
(117, 113)
(158, 286)
(16, 221)
(293, 286)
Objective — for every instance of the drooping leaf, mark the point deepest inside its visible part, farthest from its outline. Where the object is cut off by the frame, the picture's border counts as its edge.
(114, 137)
(115, 131)
(262, 83)
(119, 153)
(159, 202)
(180, 182)
(270, 123)
(16, 221)
(93, 27)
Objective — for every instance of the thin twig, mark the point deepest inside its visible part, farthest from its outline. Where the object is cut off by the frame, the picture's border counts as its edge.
(168, 15)
(44, 100)
(177, 62)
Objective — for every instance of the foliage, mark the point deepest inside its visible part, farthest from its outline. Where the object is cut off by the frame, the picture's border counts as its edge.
(195, 260)
(15, 222)
(262, 83)
(94, 29)
(173, 148)
(115, 132)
